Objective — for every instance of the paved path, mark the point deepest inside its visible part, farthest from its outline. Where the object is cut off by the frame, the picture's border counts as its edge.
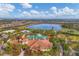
(22, 53)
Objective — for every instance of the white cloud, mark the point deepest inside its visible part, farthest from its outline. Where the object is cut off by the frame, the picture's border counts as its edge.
(25, 13)
(4, 14)
(69, 11)
(52, 13)
(66, 11)
(36, 14)
(54, 9)
(26, 5)
(39, 13)
(6, 7)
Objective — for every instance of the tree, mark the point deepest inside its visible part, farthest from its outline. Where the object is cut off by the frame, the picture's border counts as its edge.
(12, 49)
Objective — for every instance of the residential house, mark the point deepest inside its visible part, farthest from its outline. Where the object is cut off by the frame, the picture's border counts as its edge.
(36, 42)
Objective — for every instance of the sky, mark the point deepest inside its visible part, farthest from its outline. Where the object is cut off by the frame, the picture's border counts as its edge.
(39, 10)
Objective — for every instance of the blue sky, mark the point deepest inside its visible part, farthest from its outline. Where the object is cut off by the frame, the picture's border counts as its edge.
(39, 10)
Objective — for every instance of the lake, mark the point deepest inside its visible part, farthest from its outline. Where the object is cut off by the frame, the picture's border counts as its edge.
(56, 27)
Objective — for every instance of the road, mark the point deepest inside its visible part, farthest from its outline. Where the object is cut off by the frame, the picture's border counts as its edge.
(22, 53)
(61, 50)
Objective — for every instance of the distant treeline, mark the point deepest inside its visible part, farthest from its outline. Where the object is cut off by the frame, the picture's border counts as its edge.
(71, 25)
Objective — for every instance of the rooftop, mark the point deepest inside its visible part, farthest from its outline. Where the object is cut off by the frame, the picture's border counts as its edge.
(37, 36)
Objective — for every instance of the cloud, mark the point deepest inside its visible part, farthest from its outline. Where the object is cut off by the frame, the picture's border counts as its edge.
(26, 5)
(52, 13)
(66, 11)
(25, 13)
(54, 9)
(4, 14)
(35, 14)
(6, 7)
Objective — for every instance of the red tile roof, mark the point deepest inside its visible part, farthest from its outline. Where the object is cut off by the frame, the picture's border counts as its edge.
(39, 44)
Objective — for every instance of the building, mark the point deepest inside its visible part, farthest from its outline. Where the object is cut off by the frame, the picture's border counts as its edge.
(25, 31)
(8, 31)
(36, 42)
